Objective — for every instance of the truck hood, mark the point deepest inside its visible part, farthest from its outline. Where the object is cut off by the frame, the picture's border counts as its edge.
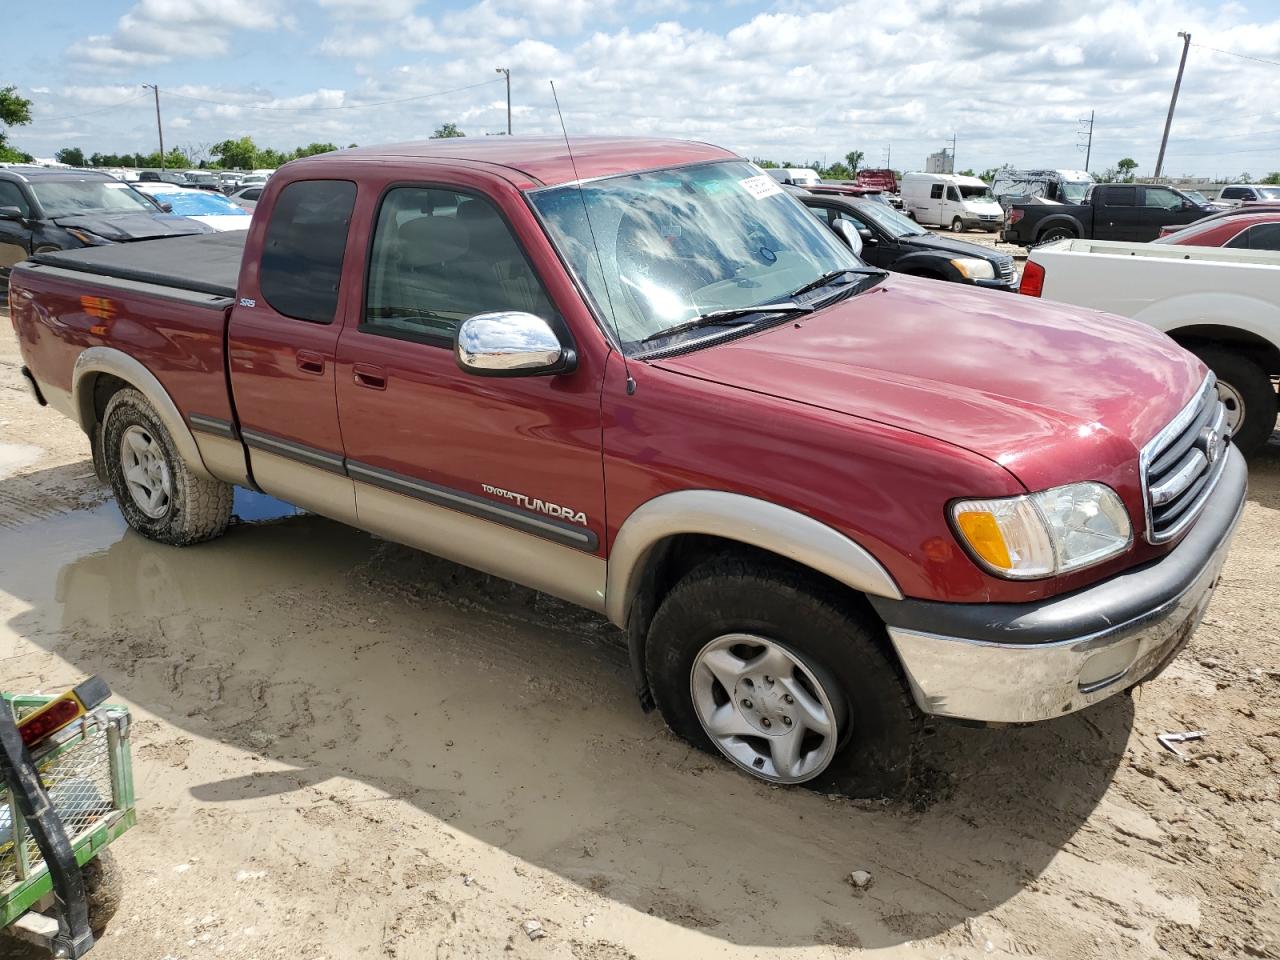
(1043, 389)
(122, 227)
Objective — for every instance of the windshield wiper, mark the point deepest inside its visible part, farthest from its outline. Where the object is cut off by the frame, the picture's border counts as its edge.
(833, 275)
(728, 318)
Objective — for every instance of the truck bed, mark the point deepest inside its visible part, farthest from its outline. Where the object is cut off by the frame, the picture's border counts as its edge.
(207, 263)
(1163, 251)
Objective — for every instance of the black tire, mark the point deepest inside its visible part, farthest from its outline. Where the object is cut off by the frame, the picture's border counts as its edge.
(198, 509)
(879, 738)
(957, 225)
(1252, 386)
(104, 888)
(1050, 234)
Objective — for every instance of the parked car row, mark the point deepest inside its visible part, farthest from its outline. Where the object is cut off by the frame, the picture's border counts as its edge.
(823, 501)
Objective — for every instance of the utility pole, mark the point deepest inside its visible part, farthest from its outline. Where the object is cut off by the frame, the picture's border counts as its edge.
(159, 128)
(507, 73)
(888, 157)
(1177, 84)
(1088, 150)
(953, 154)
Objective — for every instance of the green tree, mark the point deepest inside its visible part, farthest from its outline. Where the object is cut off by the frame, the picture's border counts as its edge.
(446, 130)
(853, 159)
(1244, 178)
(765, 164)
(270, 157)
(311, 149)
(1126, 168)
(1272, 178)
(72, 156)
(237, 154)
(173, 159)
(966, 173)
(989, 175)
(15, 111)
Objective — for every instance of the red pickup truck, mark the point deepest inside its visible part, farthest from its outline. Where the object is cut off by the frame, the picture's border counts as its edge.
(824, 502)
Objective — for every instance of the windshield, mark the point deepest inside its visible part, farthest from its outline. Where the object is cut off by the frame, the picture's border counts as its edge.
(1073, 191)
(978, 193)
(889, 220)
(1196, 196)
(1268, 193)
(199, 203)
(69, 198)
(680, 243)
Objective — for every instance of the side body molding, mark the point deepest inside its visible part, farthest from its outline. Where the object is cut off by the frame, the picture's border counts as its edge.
(100, 360)
(747, 520)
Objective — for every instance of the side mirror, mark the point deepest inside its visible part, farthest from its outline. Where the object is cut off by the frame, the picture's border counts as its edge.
(510, 344)
(167, 207)
(866, 235)
(849, 234)
(12, 213)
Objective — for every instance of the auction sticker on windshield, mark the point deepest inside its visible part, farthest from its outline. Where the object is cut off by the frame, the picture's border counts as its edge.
(760, 187)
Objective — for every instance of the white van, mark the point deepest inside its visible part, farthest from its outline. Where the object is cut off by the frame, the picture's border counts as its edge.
(796, 176)
(949, 200)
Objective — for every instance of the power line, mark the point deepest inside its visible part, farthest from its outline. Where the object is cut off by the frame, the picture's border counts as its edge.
(345, 106)
(89, 113)
(1242, 56)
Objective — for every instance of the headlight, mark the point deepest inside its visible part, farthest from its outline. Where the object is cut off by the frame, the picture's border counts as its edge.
(1043, 534)
(87, 238)
(971, 268)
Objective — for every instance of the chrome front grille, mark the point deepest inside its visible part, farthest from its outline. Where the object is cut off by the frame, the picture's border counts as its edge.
(1006, 268)
(1182, 465)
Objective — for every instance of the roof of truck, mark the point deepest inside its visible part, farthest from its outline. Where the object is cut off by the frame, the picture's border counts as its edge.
(545, 159)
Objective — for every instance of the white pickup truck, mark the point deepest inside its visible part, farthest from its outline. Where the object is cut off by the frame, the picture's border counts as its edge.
(1221, 304)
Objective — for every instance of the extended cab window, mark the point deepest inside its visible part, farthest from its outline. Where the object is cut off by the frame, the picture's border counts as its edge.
(1261, 236)
(302, 253)
(1121, 197)
(440, 256)
(935, 192)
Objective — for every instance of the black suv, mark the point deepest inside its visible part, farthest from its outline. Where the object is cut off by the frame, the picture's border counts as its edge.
(44, 209)
(896, 242)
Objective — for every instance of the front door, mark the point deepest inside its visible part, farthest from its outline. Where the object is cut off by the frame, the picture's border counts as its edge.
(15, 235)
(281, 343)
(502, 474)
(1161, 206)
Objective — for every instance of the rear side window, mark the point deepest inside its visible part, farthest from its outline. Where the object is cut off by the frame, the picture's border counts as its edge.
(935, 192)
(1161, 197)
(252, 194)
(11, 196)
(302, 254)
(1261, 236)
(1121, 197)
(1232, 193)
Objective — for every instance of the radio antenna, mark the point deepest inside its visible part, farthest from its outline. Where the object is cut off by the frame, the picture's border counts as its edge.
(613, 317)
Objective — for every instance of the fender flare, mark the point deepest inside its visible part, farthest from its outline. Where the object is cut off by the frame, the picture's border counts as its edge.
(117, 363)
(744, 519)
(1057, 220)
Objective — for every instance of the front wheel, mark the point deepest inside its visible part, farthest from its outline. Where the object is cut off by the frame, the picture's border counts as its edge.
(784, 677)
(957, 225)
(158, 494)
(1245, 390)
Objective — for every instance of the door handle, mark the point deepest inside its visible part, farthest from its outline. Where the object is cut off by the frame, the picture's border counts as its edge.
(310, 362)
(367, 375)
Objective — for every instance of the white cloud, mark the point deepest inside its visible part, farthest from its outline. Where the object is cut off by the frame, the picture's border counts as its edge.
(1011, 78)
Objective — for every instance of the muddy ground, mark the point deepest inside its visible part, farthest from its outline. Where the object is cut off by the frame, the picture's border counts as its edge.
(345, 749)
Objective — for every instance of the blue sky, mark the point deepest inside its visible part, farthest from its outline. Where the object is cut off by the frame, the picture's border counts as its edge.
(797, 81)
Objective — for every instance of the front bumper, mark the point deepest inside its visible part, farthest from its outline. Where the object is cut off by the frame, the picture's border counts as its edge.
(1016, 663)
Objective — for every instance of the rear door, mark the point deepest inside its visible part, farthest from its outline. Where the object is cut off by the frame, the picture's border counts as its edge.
(1119, 217)
(502, 474)
(282, 341)
(15, 235)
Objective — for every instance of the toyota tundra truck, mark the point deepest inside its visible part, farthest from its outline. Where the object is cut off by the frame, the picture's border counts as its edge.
(825, 503)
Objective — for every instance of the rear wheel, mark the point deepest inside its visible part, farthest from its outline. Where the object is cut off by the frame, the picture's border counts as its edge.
(158, 494)
(1051, 234)
(1245, 390)
(784, 677)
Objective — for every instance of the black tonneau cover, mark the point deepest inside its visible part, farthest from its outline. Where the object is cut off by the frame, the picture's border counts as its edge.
(207, 263)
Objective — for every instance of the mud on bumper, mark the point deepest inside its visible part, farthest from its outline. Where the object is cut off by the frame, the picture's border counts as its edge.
(1016, 663)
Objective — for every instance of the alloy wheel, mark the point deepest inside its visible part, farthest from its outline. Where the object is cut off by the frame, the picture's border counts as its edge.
(146, 472)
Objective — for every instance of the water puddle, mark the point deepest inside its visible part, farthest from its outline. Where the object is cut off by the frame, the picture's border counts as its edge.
(253, 507)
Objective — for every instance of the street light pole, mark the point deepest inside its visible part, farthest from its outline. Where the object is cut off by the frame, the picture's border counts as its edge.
(1168, 121)
(159, 128)
(504, 70)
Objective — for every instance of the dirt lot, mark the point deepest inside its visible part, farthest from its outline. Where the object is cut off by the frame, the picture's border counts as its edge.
(345, 749)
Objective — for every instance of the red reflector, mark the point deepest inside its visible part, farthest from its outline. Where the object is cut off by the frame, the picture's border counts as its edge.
(1032, 279)
(49, 719)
